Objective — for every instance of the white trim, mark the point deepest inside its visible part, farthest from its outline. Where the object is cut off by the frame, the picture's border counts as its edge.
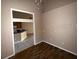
(22, 11)
(18, 20)
(57, 47)
(9, 56)
(14, 53)
(50, 44)
(38, 42)
(60, 48)
(34, 29)
(22, 20)
(12, 32)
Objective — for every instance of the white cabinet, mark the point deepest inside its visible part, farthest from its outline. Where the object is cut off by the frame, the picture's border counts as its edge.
(23, 45)
(23, 20)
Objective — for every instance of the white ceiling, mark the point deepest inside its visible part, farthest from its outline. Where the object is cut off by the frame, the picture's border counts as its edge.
(52, 4)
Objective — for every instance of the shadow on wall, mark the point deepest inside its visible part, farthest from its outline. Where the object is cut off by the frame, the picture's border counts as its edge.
(52, 4)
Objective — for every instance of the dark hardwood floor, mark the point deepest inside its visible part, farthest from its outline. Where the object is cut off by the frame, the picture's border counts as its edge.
(43, 51)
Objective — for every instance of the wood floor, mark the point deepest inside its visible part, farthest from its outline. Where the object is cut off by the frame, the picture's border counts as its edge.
(43, 51)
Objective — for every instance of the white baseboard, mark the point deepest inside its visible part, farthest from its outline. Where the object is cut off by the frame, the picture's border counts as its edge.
(14, 54)
(9, 56)
(60, 48)
(47, 43)
(38, 42)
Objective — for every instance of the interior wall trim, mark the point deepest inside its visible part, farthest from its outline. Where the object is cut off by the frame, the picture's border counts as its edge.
(49, 44)
(61, 48)
(38, 42)
(14, 54)
(9, 56)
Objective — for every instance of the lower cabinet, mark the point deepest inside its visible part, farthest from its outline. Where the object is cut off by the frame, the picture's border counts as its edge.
(24, 45)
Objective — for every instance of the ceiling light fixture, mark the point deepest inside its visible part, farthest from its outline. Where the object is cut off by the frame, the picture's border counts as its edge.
(38, 3)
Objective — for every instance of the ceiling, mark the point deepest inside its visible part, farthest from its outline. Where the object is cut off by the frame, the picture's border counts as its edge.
(52, 4)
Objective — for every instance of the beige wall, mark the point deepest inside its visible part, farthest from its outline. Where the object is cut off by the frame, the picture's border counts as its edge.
(6, 33)
(58, 23)
(60, 26)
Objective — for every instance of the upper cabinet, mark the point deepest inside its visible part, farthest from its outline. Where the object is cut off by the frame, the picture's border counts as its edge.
(21, 16)
(23, 25)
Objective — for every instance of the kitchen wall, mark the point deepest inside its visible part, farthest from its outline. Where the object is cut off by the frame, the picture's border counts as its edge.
(60, 24)
(6, 26)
